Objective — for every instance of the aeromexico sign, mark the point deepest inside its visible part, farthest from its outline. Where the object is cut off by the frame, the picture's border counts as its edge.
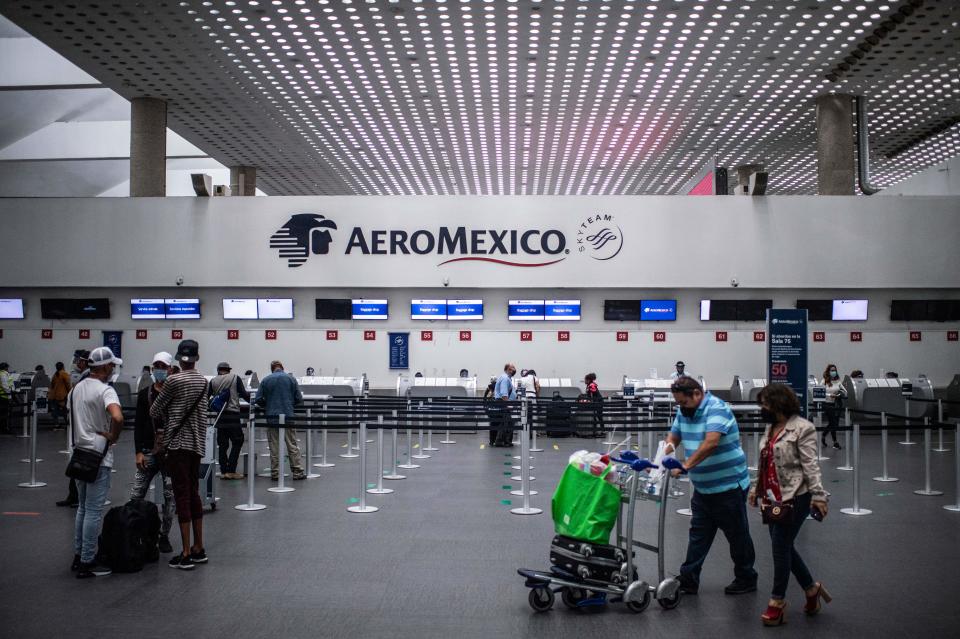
(304, 235)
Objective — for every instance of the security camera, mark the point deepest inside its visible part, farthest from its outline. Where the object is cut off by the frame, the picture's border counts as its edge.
(734, 282)
(446, 281)
(180, 280)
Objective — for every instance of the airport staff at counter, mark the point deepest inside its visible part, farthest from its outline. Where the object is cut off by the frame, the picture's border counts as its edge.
(680, 371)
(717, 465)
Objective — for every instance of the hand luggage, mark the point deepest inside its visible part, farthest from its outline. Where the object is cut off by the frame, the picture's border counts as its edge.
(558, 418)
(601, 562)
(130, 535)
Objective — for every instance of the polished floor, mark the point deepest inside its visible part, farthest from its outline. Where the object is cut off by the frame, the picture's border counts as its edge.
(439, 559)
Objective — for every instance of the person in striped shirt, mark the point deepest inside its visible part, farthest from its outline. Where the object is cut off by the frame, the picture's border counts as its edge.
(718, 472)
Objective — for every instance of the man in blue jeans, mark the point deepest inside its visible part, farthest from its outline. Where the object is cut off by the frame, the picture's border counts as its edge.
(96, 420)
(718, 471)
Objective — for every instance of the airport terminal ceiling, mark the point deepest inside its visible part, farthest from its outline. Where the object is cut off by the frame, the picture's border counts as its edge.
(500, 97)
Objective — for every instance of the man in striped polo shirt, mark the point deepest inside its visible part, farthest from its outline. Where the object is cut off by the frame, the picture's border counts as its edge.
(718, 472)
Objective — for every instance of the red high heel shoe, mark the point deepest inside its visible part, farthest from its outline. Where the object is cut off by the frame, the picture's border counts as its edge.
(774, 615)
(813, 606)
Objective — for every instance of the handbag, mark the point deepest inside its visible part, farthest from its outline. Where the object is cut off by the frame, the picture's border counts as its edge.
(84, 464)
(775, 512)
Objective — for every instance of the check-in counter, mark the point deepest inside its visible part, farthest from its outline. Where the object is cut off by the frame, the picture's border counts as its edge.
(562, 385)
(746, 389)
(409, 386)
(884, 394)
(315, 387)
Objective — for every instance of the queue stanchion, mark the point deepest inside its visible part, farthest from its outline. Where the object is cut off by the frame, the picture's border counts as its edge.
(525, 477)
(430, 430)
(380, 490)
(409, 465)
(24, 417)
(820, 434)
(310, 474)
(755, 449)
(31, 457)
(534, 448)
(281, 486)
(350, 448)
(927, 490)
(69, 430)
(393, 475)
(362, 507)
(906, 427)
(251, 466)
(847, 466)
(940, 448)
(446, 439)
(856, 510)
(883, 450)
(33, 483)
(323, 444)
(955, 507)
(420, 454)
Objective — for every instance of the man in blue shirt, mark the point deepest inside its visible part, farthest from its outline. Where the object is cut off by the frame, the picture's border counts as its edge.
(718, 472)
(503, 390)
(278, 394)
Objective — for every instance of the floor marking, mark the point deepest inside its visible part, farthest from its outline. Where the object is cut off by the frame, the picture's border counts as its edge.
(21, 514)
(505, 502)
(507, 487)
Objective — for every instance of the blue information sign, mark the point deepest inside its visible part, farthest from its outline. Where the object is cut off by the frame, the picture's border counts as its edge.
(399, 344)
(787, 351)
(114, 339)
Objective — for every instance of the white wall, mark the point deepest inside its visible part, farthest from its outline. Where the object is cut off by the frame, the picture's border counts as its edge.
(939, 179)
(592, 347)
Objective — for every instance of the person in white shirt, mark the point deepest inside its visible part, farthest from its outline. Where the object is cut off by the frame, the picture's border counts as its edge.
(836, 393)
(680, 372)
(96, 421)
(529, 382)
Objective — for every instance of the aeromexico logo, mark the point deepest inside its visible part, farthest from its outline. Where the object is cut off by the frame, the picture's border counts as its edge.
(596, 236)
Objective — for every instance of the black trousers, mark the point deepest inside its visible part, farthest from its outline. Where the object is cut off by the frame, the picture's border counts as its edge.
(833, 422)
(229, 441)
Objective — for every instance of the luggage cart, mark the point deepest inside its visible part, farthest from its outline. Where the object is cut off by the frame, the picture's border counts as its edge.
(578, 589)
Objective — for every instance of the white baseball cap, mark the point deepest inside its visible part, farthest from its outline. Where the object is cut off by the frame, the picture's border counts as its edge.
(102, 356)
(163, 356)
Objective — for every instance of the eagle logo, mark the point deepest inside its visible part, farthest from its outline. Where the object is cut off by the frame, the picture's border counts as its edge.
(303, 234)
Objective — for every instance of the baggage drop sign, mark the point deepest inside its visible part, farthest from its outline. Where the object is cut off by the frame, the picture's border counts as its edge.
(787, 351)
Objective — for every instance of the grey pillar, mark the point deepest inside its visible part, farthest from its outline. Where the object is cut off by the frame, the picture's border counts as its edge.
(148, 147)
(243, 180)
(743, 175)
(836, 171)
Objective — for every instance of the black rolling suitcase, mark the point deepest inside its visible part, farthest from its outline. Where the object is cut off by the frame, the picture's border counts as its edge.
(558, 418)
(599, 562)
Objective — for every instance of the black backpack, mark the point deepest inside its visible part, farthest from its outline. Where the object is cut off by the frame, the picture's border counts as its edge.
(130, 535)
(558, 417)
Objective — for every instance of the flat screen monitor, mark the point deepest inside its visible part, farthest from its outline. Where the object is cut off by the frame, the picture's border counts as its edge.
(718, 310)
(849, 311)
(428, 309)
(240, 309)
(753, 310)
(334, 309)
(908, 310)
(525, 310)
(370, 310)
(658, 310)
(147, 309)
(621, 310)
(273, 308)
(561, 310)
(464, 309)
(817, 310)
(87, 308)
(11, 309)
(182, 309)
(939, 310)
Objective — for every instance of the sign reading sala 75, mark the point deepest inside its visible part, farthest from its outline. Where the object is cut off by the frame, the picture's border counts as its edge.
(307, 234)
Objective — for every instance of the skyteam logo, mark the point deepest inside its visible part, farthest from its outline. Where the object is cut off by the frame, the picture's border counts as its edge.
(302, 235)
(600, 237)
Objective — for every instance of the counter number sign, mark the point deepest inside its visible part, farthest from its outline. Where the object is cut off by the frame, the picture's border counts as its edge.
(623, 336)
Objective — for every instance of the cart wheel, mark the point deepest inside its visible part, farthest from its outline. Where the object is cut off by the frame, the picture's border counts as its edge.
(541, 598)
(669, 603)
(213, 506)
(640, 606)
(572, 596)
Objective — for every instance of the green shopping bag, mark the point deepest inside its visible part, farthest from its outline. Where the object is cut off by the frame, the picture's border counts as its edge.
(585, 506)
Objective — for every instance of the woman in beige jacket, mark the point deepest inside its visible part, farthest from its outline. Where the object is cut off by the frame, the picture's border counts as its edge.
(788, 488)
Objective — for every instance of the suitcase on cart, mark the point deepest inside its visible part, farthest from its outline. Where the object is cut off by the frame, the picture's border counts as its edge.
(599, 562)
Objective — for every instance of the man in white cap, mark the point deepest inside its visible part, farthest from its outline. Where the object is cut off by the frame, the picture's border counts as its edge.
(96, 421)
(149, 462)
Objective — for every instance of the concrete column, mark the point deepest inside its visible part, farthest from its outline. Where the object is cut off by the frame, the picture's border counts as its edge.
(148, 147)
(836, 170)
(243, 180)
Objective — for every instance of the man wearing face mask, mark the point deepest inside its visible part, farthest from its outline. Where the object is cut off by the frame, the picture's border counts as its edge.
(503, 391)
(80, 373)
(149, 462)
(718, 473)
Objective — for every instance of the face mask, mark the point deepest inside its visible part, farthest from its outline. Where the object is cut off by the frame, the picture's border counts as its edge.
(159, 376)
(767, 416)
(688, 412)
(834, 375)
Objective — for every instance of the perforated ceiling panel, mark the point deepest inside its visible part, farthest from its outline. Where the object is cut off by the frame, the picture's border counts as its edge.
(505, 96)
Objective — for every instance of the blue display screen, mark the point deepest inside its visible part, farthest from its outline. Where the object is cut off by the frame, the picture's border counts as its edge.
(165, 309)
(182, 309)
(370, 309)
(562, 310)
(658, 310)
(525, 310)
(428, 309)
(147, 309)
(464, 309)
